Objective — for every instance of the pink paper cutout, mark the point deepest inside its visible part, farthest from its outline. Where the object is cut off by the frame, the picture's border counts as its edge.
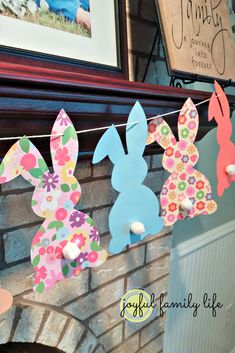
(55, 196)
(179, 158)
(6, 301)
(219, 110)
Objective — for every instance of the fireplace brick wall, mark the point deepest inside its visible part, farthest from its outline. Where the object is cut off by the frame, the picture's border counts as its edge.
(81, 314)
(143, 25)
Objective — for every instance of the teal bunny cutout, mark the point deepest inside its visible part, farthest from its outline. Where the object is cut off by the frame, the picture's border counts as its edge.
(136, 204)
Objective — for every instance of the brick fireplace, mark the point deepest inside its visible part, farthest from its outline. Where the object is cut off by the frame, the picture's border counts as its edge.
(80, 315)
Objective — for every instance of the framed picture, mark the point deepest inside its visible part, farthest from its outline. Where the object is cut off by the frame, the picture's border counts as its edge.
(87, 36)
(198, 37)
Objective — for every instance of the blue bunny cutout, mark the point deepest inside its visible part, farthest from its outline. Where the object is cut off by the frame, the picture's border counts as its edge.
(136, 202)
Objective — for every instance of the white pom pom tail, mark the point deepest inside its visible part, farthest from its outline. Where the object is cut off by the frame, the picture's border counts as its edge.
(71, 251)
(137, 228)
(230, 169)
(186, 205)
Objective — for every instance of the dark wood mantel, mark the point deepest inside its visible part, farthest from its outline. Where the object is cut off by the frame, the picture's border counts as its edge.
(30, 100)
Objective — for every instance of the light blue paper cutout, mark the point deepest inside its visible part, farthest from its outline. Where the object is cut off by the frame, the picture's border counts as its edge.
(136, 202)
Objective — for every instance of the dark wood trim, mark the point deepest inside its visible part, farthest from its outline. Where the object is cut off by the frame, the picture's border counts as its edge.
(29, 105)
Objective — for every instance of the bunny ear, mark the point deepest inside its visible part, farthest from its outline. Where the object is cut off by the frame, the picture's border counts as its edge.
(64, 148)
(219, 106)
(136, 134)
(110, 145)
(9, 168)
(25, 159)
(160, 131)
(188, 122)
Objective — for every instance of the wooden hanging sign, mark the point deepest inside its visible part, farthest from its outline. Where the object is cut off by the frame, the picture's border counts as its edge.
(198, 37)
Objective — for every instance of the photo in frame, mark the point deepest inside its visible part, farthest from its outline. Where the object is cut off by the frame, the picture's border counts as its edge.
(198, 38)
(72, 16)
(99, 46)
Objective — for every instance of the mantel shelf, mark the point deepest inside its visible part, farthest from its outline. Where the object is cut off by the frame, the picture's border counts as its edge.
(30, 101)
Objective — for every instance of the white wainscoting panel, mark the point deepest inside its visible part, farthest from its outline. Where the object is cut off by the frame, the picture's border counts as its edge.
(205, 264)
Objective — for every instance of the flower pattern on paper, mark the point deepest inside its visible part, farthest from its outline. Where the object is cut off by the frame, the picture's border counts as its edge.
(179, 159)
(56, 193)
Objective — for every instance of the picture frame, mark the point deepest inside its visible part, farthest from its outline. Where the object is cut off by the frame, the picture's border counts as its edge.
(198, 39)
(32, 51)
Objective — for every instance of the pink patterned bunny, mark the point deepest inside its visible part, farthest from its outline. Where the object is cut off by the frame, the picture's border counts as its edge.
(56, 193)
(187, 192)
(219, 110)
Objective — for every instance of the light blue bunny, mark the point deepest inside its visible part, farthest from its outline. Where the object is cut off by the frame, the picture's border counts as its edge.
(136, 202)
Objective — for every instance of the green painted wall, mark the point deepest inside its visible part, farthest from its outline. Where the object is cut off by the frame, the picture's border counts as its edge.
(184, 230)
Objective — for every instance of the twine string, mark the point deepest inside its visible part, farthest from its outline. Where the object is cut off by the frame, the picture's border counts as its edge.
(97, 128)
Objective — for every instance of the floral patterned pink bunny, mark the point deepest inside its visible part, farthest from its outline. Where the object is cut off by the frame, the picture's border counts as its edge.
(187, 192)
(56, 193)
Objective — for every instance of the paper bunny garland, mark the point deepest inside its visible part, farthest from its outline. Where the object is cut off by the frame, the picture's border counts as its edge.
(136, 203)
(68, 240)
(56, 193)
(187, 192)
(219, 110)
